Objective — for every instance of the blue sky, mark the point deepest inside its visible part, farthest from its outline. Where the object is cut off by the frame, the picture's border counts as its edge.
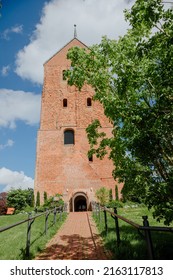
(17, 130)
(30, 33)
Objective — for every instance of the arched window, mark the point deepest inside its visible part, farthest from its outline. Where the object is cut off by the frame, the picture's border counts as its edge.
(89, 102)
(68, 137)
(64, 102)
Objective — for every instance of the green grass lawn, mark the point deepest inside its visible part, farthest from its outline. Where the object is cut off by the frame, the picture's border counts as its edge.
(13, 241)
(133, 245)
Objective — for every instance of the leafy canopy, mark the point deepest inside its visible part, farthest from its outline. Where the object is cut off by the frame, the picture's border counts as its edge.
(133, 79)
(19, 198)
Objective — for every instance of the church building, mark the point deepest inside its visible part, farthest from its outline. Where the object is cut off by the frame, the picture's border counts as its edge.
(62, 163)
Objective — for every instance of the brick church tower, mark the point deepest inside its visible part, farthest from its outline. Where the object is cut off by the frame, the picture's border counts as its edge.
(62, 163)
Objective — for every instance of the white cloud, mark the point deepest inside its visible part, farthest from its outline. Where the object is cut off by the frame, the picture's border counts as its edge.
(94, 18)
(5, 70)
(9, 143)
(19, 105)
(17, 29)
(14, 179)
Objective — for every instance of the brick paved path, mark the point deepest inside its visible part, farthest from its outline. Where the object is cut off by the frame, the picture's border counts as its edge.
(77, 239)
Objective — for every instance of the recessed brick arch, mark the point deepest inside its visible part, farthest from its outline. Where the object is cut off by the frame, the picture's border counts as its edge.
(80, 202)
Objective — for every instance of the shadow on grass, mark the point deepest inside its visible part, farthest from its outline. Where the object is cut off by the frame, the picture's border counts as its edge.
(38, 249)
(133, 244)
(163, 245)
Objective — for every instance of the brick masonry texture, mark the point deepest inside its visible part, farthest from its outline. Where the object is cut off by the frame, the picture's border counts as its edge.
(81, 242)
(61, 168)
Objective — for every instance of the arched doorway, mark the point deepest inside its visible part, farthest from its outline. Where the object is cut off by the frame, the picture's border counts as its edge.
(80, 202)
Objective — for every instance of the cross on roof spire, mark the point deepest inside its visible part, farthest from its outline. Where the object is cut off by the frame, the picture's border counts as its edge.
(75, 31)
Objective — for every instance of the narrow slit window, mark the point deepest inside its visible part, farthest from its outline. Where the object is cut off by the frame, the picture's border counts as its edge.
(89, 102)
(63, 75)
(90, 158)
(68, 137)
(64, 102)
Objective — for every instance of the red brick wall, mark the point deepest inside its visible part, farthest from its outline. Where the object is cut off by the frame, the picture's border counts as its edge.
(65, 168)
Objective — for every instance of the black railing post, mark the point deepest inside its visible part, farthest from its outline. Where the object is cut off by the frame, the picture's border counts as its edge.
(106, 223)
(54, 217)
(46, 220)
(117, 227)
(28, 235)
(148, 238)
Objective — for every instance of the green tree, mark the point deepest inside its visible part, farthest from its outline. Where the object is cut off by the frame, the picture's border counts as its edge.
(32, 199)
(3, 203)
(38, 199)
(116, 193)
(133, 78)
(110, 195)
(17, 199)
(29, 194)
(45, 197)
(102, 195)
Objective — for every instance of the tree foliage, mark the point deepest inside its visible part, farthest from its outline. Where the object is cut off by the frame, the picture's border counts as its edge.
(54, 201)
(133, 79)
(110, 195)
(3, 203)
(19, 198)
(45, 197)
(38, 199)
(116, 193)
(102, 195)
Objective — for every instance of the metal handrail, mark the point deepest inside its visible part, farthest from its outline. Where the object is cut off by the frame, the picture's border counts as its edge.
(30, 221)
(146, 227)
(24, 221)
(122, 218)
(155, 228)
(140, 227)
(13, 225)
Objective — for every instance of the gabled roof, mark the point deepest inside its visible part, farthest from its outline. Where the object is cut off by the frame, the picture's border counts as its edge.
(64, 47)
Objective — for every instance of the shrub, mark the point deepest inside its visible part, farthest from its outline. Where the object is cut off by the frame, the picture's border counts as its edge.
(38, 199)
(3, 203)
(102, 195)
(17, 199)
(45, 197)
(116, 193)
(115, 203)
(110, 195)
(54, 201)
